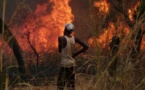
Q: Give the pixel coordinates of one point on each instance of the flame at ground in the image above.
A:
(105, 38)
(44, 27)
(114, 28)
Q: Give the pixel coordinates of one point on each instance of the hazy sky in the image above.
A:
(11, 6)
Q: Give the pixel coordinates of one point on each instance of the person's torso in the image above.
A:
(66, 55)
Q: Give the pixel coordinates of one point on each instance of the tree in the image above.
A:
(28, 34)
(30, 25)
(114, 46)
(12, 42)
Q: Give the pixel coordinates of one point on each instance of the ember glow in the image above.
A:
(132, 10)
(103, 6)
(44, 26)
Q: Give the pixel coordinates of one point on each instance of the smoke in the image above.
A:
(80, 10)
(11, 6)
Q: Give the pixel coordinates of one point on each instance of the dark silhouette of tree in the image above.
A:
(32, 47)
(12, 42)
(114, 47)
(30, 24)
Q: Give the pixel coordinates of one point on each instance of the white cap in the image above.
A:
(69, 26)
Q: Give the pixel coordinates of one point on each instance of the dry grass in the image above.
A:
(83, 82)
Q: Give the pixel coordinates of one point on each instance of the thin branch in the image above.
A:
(35, 51)
(120, 9)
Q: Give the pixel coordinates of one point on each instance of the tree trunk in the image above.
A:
(114, 47)
(12, 42)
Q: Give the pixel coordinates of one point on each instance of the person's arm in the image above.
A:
(61, 43)
(84, 47)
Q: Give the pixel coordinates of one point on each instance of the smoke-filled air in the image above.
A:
(72, 44)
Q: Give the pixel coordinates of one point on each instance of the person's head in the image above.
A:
(69, 28)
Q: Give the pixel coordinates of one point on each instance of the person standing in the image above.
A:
(66, 45)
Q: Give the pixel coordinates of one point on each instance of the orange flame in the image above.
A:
(118, 28)
(132, 10)
(103, 6)
(47, 26)
(105, 38)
